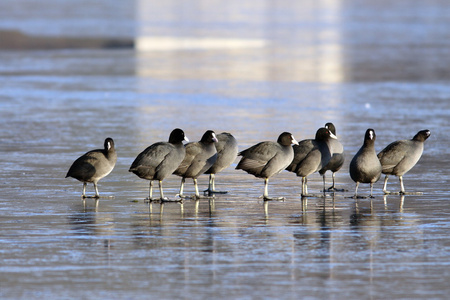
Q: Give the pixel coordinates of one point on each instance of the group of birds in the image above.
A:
(213, 153)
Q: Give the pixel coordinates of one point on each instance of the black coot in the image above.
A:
(400, 156)
(200, 156)
(227, 149)
(94, 165)
(336, 161)
(310, 156)
(160, 160)
(365, 166)
(266, 159)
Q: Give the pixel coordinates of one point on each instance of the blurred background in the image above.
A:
(325, 40)
(259, 61)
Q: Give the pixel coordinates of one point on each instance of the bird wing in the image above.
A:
(86, 166)
(222, 141)
(256, 157)
(192, 150)
(152, 156)
(393, 154)
(300, 153)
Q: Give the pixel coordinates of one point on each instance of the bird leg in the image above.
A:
(161, 192)
(371, 188)
(84, 190)
(403, 192)
(402, 188)
(323, 177)
(266, 188)
(150, 192)
(97, 195)
(305, 189)
(305, 182)
(197, 194)
(356, 191)
(362, 197)
(212, 186)
(265, 196)
(385, 191)
(213, 181)
(333, 187)
(180, 194)
(162, 199)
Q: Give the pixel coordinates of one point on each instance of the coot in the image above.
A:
(400, 156)
(365, 166)
(266, 159)
(336, 161)
(160, 160)
(200, 156)
(227, 149)
(311, 155)
(94, 165)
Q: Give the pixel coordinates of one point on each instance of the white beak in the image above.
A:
(214, 138)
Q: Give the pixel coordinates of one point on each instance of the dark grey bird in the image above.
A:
(200, 156)
(94, 165)
(365, 166)
(310, 156)
(227, 149)
(160, 160)
(336, 161)
(401, 156)
(266, 159)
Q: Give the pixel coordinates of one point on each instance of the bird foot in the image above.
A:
(162, 200)
(333, 189)
(211, 192)
(411, 193)
(267, 198)
(198, 197)
(148, 200)
(97, 197)
(165, 199)
(195, 197)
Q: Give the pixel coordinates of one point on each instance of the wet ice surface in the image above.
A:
(56, 105)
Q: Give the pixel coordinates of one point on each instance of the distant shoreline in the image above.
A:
(17, 40)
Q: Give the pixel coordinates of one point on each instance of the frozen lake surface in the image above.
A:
(291, 67)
